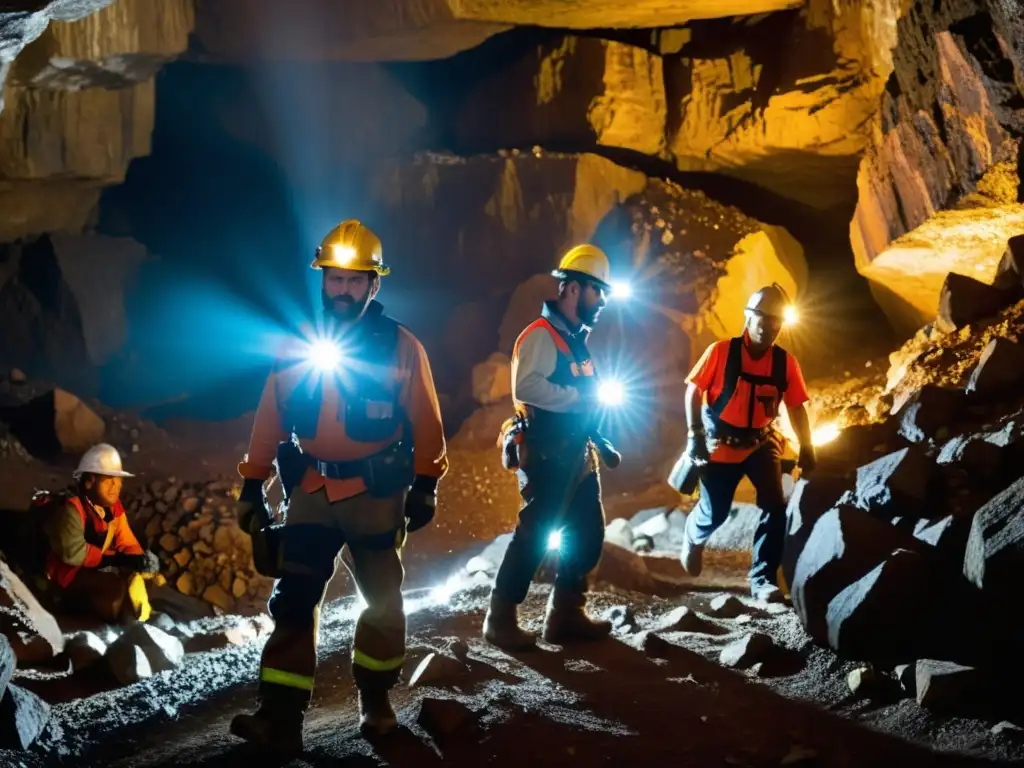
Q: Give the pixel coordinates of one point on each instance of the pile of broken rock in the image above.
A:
(906, 548)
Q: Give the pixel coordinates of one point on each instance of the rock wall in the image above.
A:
(79, 106)
(939, 189)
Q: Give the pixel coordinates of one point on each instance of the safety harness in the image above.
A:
(732, 434)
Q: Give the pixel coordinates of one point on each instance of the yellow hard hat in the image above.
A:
(586, 260)
(351, 245)
(770, 300)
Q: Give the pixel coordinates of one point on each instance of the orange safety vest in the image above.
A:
(97, 539)
(731, 420)
(570, 366)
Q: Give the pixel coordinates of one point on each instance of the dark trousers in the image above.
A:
(718, 488)
(557, 499)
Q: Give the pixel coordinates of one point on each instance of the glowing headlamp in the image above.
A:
(343, 254)
(611, 393)
(790, 315)
(323, 354)
(621, 290)
(555, 540)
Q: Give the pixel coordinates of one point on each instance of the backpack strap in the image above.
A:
(733, 369)
(543, 322)
(780, 369)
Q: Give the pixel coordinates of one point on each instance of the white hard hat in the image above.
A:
(102, 459)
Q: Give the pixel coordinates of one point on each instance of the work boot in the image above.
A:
(376, 716)
(270, 729)
(692, 555)
(766, 592)
(501, 626)
(566, 620)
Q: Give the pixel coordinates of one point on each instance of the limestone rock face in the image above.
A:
(124, 43)
(578, 91)
(939, 186)
(793, 119)
(78, 104)
(424, 29)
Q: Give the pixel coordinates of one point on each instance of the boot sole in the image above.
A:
(522, 646)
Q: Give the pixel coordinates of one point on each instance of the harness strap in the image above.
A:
(734, 373)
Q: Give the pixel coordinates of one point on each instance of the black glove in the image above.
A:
(611, 457)
(697, 449)
(147, 562)
(421, 502)
(251, 508)
(808, 459)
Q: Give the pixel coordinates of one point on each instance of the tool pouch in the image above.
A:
(510, 441)
(389, 472)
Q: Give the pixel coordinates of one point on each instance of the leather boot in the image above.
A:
(271, 728)
(566, 620)
(376, 716)
(501, 626)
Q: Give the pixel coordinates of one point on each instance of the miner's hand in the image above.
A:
(808, 459)
(697, 449)
(251, 507)
(421, 503)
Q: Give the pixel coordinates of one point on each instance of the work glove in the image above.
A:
(808, 459)
(251, 508)
(611, 457)
(146, 562)
(421, 502)
(697, 449)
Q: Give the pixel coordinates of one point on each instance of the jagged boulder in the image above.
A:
(964, 300)
(894, 595)
(1000, 369)
(995, 559)
(31, 629)
(811, 498)
(899, 484)
(928, 412)
(23, 716)
(845, 545)
(492, 379)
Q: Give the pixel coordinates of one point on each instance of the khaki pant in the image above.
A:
(113, 596)
(316, 530)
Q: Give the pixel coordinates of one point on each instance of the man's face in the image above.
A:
(105, 491)
(592, 300)
(763, 329)
(346, 292)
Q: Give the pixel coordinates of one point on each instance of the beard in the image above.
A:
(343, 308)
(588, 314)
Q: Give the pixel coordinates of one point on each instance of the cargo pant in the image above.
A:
(109, 594)
(315, 532)
(718, 485)
(560, 495)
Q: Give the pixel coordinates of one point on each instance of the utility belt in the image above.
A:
(385, 473)
(724, 433)
(521, 435)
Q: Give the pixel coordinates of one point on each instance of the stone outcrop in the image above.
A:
(944, 139)
(792, 118)
(410, 30)
(122, 44)
(79, 106)
(581, 92)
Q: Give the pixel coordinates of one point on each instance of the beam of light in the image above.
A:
(555, 540)
(611, 392)
(825, 434)
(324, 354)
(621, 290)
(790, 316)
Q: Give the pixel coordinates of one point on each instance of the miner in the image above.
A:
(553, 444)
(352, 420)
(95, 561)
(732, 400)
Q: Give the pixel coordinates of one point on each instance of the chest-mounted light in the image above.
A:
(611, 393)
(323, 354)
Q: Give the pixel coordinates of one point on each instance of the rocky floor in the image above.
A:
(659, 692)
